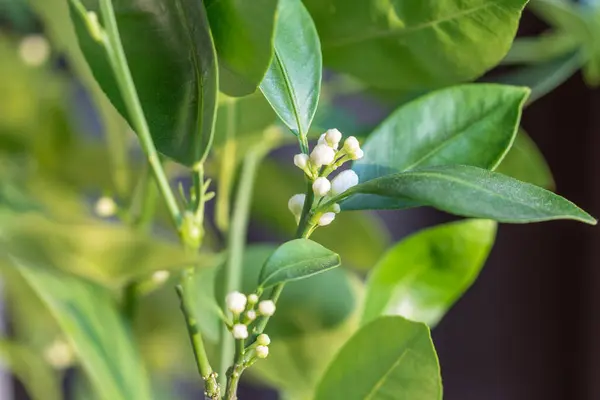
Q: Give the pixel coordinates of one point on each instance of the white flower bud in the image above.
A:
(301, 161)
(34, 50)
(321, 139)
(344, 181)
(322, 155)
(251, 315)
(236, 302)
(296, 204)
(159, 277)
(266, 308)
(357, 155)
(105, 207)
(333, 138)
(321, 186)
(239, 331)
(336, 208)
(351, 145)
(262, 351)
(59, 354)
(263, 340)
(326, 219)
(253, 298)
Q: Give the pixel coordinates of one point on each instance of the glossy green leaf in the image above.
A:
(359, 238)
(36, 375)
(90, 320)
(472, 192)
(423, 275)
(296, 259)
(172, 58)
(544, 77)
(415, 44)
(469, 124)
(526, 163)
(389, 359)
(243, 33)
(293, 81)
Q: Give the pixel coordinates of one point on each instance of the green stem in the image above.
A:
(118, 61)
(227, 170)
(184, 291)
(236, 243)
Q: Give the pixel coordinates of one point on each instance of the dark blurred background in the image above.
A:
(529, 328)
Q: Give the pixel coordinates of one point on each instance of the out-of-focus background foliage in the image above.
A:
(528, 329)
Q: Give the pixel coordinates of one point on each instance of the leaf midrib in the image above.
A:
(291, 91)
(399, 32)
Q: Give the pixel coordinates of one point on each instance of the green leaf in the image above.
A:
(359, 238)
(526, 163)
(472, 192)
(318, 303)
(469, 124)
(390, 358)
(99, 336)
(172, 58)
(40, 381)
(293, 81)
(243, 33)
(539, 49)
(422, 276)
(544, 77)
(414, 45)
(296, 259)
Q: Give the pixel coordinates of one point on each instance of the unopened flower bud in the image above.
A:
(105, 207)
(160, 277)
(236, 302)
(301, 161)
(263, 340)
(253, 298)
(351, 145)
(59, 354)
(321, 186)
(296, 204)
(321, 139)
(262, 351)
(357, 155)
(266, 308)
(251, 315)
(333, 138)
(239, 331)
(336, 208)
(326, 219)
(322, 155)
(344, 181)
(34, 50)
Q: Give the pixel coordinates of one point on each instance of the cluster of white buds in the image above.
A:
(245, 309)
(326, 157)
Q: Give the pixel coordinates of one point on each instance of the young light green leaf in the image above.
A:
(36, 375)
(292, 83)
(471, 192)
(470, 124)
(296, 259)
(90, 320)
(243, 33)
(390, 358)
(526, 163)
(422, 276)
(540, 49)
(172, 58)
(414, 45)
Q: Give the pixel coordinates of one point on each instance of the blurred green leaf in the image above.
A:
(472, 192)
(89, 318)
(243, 33)
(293, 81)
(109, 254)
(543, 48)
(295, 260)
(40, 381)
(359, 238)
(390, 358)
(468, 124)
(174, 69)
(526, 163)
(422, 276)
(415, 44)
